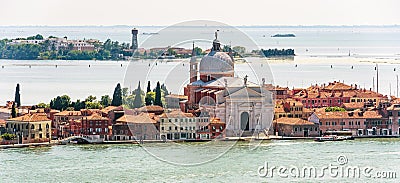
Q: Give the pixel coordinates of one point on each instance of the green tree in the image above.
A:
(90, 98)
(105, 100)
(334, 109)
(117, 96)
(198, 51)
(148, 87)
(149, 99)
(239, 49)
(17, 96)
(138, 102)
(157, 99)
(78, 105)
(60, 102)
(43, 105)
(13, 111)
(8, 136)
(93, 105)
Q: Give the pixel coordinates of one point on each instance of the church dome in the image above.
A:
(216, 62)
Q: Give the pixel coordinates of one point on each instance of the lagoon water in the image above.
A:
(43, 80)
(317, 48)
(132, 163)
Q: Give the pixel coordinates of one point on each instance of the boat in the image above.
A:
(150, 33)
(284, 35)
(335, 136)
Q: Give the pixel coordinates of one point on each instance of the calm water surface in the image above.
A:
(132, 163)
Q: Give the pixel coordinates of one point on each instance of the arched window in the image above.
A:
(32, 127)
(27, 126)
(47, 126)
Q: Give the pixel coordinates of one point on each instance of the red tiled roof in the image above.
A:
(177, 114)
(151, 108)
(95, 116)
(31, 117)
(141, 118)
(345, 114)
(293, 121)
(69, 113)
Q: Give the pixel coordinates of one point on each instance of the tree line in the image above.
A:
(121, 96)
(46, 50)
(276, 52)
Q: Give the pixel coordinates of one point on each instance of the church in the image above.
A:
(215, 91)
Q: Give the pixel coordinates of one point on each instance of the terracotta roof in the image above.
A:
(276, 88)
(177, 114)
(95, 116)
(394, 107)
(141, 118)
(353, 105)
(338, 86)
(151, 108)
(346, 114)
(293, 121)
(109, 108)
(69, 113)
(31, 118)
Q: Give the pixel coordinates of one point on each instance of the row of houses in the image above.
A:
(303, 112)
(113, 123)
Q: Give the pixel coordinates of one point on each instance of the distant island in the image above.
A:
(284, 35)
(276, 53)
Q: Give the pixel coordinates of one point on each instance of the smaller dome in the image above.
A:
(216, 62)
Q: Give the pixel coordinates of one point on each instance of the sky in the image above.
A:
(167, 12)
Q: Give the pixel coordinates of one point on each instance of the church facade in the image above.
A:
(245, 107)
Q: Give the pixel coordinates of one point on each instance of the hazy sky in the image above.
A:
(167, 12)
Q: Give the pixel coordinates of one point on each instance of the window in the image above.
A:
(162, 120)
(176, 128)
(169, 128)
(32, 127)
(162, 128)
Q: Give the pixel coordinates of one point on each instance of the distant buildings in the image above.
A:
(61, 43)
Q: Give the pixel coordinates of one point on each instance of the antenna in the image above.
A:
(377, 79)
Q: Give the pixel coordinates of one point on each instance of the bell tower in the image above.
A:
(193, 66)
(134, 39)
